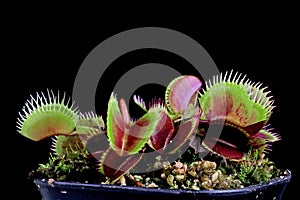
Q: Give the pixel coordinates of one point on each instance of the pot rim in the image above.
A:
(284, 179)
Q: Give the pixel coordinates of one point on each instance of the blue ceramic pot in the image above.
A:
(270, 190)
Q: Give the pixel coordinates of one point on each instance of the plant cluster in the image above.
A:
(109, 151)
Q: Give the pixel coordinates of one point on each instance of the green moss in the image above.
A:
(78, 166)
(255, 169)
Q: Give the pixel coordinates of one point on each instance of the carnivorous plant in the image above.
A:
(169, 126)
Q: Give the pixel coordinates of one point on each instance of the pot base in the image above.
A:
(270, 190)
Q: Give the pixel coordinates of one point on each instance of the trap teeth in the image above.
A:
(239, 102)
(45, 116)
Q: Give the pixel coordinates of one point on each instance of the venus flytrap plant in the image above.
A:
(48, 116)
(115, 146)
(243, 106)
(180, 114)
(156, 127)
(125, 135)
(126, 138)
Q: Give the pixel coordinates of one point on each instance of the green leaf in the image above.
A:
(125, 136)
(89, 123)
(113, 165)
(44, 117)
(62, 145)
(164, 131)
(115, 124)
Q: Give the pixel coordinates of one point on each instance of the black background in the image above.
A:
(46, 50)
